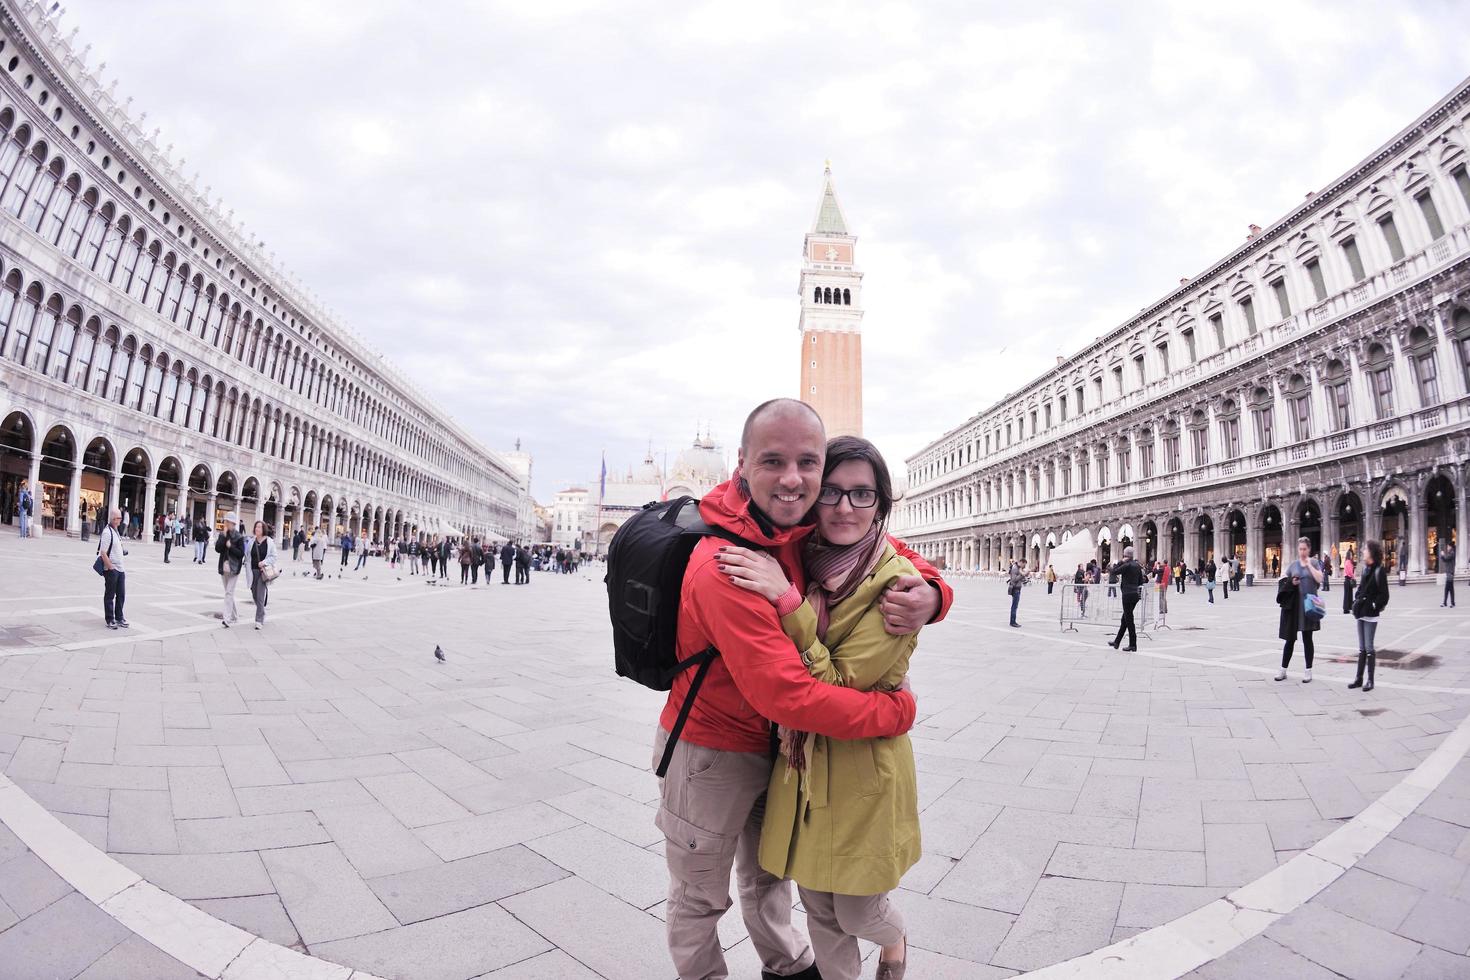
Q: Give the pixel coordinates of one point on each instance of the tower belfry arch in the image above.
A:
(831, 318)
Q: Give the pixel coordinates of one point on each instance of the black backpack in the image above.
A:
(646, 560)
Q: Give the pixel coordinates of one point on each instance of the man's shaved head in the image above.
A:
(777, 407)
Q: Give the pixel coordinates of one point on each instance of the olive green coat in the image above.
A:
(853, 828)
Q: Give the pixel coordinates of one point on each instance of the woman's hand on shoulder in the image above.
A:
(755, 571)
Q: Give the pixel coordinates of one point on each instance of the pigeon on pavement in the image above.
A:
(438, 653)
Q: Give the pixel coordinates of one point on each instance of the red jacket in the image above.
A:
(758, 676)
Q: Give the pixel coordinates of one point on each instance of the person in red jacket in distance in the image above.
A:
(714, 793)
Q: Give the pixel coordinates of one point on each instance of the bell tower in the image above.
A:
(831, 319)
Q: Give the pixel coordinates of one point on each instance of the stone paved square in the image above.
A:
(326, 785)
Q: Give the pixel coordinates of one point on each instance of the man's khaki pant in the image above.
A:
(710, 813)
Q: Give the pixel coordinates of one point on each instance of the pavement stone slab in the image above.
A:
(324, 896)
(453, 886)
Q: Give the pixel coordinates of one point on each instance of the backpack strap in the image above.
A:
(704, 658)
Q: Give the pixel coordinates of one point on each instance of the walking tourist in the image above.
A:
(844, 838)
(25, 504)
(446, 547)
(1080, 580)
(464, 565)
(1130, 575)
(168, 536)
(1326, 571)
(1447, 566)
(1051, 579)
(82, 518)
(1210, 570)
(200, 535)
(297, 540)
(1372, 597)
(230, 546)
(345, 543)
(1349, 581)
(1015, 579)
(362, 552)
(114, 577)
(477, 557)
(1303, 577)
(318, 549)
(523, 565)
(260, 569)
(720, 769)
(507, 558)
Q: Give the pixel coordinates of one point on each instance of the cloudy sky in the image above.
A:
(579, 224)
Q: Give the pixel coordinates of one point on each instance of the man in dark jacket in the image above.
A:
(477, 557)
(507, 556)
(523, 566)
(1128, 574)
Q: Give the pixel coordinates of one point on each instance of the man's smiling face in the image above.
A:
(781, 460)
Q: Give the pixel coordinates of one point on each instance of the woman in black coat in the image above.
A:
(1372, 597)
(1303, 577)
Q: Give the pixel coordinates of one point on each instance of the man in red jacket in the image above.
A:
(713, 796)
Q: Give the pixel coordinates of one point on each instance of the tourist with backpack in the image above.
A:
(1301, 606)
(1371, 599)
(842, 816)
(731, 671)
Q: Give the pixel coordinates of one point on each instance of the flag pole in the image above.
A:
(601, 492)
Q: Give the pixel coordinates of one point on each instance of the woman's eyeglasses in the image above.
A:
(860, 497)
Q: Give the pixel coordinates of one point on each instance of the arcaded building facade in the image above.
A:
(152, 358)
(1314, 382)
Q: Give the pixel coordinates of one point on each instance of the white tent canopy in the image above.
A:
(1079, 549)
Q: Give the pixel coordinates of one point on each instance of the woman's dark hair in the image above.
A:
(1375, 551)
(261, 525)
(844, 449)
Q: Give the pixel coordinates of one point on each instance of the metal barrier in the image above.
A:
(1101, 605)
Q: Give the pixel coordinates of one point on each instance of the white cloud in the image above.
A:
(579, 223)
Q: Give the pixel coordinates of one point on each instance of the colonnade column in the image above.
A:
(74, 502)
(1462, 518)
(1418, 531)
(211, 508)
(114, 492)
(33, 477)
(148, 490)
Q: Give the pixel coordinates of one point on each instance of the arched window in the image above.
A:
(128, 262)
(9, 297)
(102, 362)
(63, 193)
(10, 154)
(123, 365)
(158, 279)
(137, 370)
(847, 297)
(1339, 409)
(169, 402)
(86, 346)
(1299, 400)
(817, 294)
(1462, 343)
(1229, 429)
(25, 323)
(1380, 378)
(827, 294)
(198, 395)
(154, 394)
(79, 209)
(1263, 417)
(66, 335)
(98, 229)
(1199, 437)
(28, 173)
(44, 337)
(1426, 372)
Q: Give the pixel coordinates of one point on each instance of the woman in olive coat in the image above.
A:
(842, 817)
